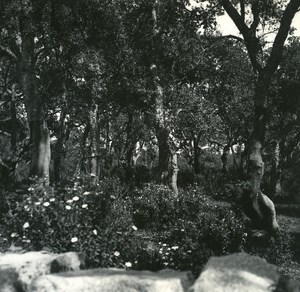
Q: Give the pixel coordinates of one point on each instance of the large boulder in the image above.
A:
(21, 269)
(114, 280)
(235, 273)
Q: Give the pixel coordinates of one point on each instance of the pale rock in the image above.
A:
(23, 268)
(235, 273)
(114, 280)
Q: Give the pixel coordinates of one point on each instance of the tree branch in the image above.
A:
(251, 41)
(7, 52)
(242, 7)
(255, 13)
(285, 24)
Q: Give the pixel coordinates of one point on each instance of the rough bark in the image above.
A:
(264, 209)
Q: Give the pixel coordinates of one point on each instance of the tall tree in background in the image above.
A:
(18, 41)
(262, 13)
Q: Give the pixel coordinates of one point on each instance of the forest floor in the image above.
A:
(289, 220)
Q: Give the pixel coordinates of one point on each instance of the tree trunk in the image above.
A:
(59, 147)
(82, 157)
(39, 133)
(264, 215)
(196, 153)
(40, 160)
(275, 182)
(224, 158)
(95, 144)
(174, 173)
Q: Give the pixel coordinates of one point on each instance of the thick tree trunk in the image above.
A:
(40, 160)
(263, 213)
(39, 133)
(162, 131)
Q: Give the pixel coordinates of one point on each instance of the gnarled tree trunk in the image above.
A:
(263, 207)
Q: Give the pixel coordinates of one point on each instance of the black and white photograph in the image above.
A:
(150, 145)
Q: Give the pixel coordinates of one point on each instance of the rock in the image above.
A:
(9, 281)
(235, 273)
(23, 268)
(114, 280)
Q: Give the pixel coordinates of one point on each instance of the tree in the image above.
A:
(264, 67)
(18, 43)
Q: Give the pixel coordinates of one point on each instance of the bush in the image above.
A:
(154, 206)
(188, 229)
(73, 218)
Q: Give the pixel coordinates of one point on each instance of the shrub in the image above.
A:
(154, 206)
(189, 229)
(74, 218)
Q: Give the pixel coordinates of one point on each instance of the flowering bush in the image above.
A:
(77, 217)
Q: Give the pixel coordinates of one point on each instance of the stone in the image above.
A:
(235, 273)
(114, 280)
(23, 268)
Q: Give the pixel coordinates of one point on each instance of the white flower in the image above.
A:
(75, 198)
(93, 175)
(134, 228)
(74, 239)
(128, 264)
(26, 208)
(175, 247)
(14, 234)
(37, 203)
(68, 207)
(52, 200)
(30, 189)
(46, 204)
(69, 201)
(86, 193)
(116, 254)
(26, 225)
(95, 232)
(84, 206)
